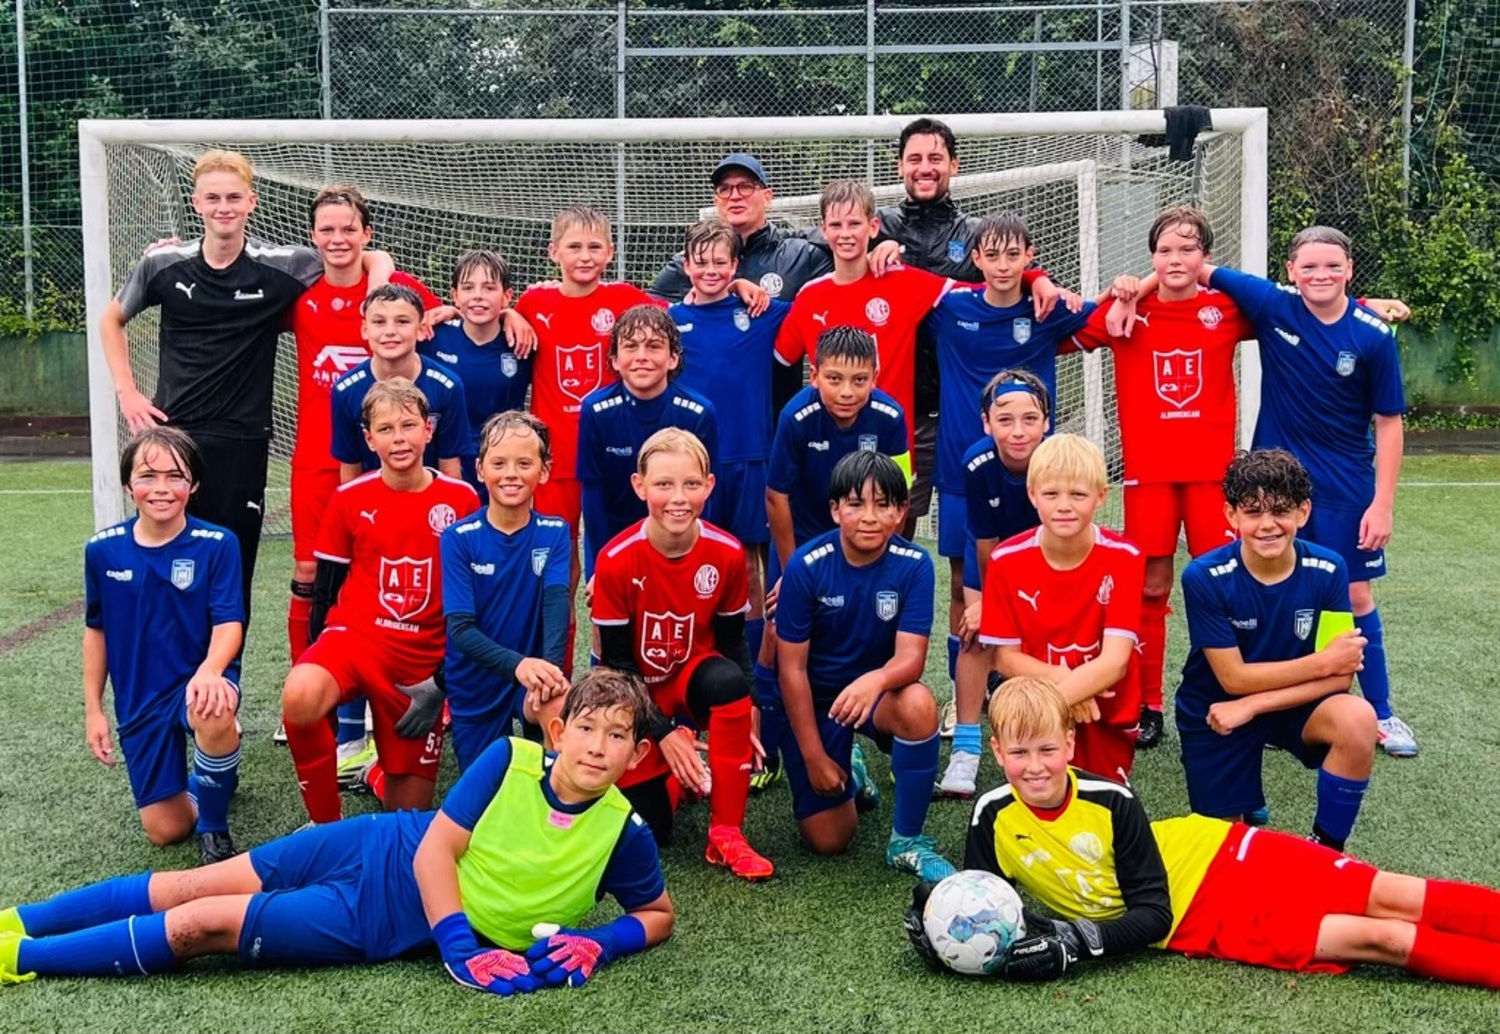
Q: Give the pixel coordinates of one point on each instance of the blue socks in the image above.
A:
(215, 780)
(125, 947)
(1338, 806)
(1375, 679)
(755, 633)
(914, 763)
(966, 738)
(352, 721)
(116, 898)
(955, 646)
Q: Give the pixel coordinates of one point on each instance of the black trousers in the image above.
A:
(233, 493)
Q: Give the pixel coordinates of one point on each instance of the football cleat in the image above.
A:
(728, 847)
(866, 793)
(961, 776)
(10, 954)
(354, 765)
(10, 922)
(215, 847)
(1151, 728)
(1395, 737)
(279, 736)
(918, 855)
(947, 719)
(1259, 817)
(768, 776)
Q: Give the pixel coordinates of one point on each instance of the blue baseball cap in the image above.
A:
(743, 162)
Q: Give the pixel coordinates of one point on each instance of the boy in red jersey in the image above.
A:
(889, 308)
(670, 600)
(378, 606)
(1063, 602)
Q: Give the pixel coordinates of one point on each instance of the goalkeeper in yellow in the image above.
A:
(524, 838)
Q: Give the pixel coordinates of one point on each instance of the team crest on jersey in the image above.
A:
(1345, 365)
(182, 573)
(1210, 316)
(741, 319)
(666, 639)
(1073, 655)
(706, 580)
(1179, 375)
(956, 251)
(869, 443)
(887, 603)
(508, 365)
(405, 586)
(1106, 590)
(539, 560)
(772, 284)
(439, 517)
(1021, 331)
(878, 311)
(1302, 623)
(578, 368)
(603, 321)
(334, 361)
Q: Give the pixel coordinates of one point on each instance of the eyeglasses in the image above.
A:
(172, 481)
(737, 188)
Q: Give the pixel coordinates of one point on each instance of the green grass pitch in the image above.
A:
(818, 948)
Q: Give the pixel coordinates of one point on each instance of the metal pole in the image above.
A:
(870, 16)
(1124, 55)
(25, 160)
(325, 64)
(1036, 66)
(1408, 61)
(622, 12)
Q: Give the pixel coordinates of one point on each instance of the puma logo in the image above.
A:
(369, 515)
(545, 319)
(1029, 599)
(821, 317)
(1142, 319)
(251, 504)
(186, 289)
(639, 583)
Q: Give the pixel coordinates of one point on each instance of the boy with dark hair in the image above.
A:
(164, 621)
(1199, 886)
(505, 595)
(524, 838)
(853, 619)
(645, 350)
(1272, 654)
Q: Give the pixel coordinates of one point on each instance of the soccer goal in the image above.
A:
(1086, 183)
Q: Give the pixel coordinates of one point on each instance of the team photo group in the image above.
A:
(720, 474)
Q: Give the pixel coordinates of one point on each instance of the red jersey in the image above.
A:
(389, 539)
(1174, 386)
(889, 309)
(671, 601)
(330, 342)
(1062, 617)
(572, 357)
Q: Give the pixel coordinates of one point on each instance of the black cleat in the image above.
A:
(215, 847)
(1151, 726)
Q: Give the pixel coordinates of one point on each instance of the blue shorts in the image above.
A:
(838, 741)
(1336, 528)
(156, 753)
(1223, 772)
(952, 522)
(472, 734)
(971, 563)
(738, 504)
(317, 906)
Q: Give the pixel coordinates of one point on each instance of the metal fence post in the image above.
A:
(870, 71)
(622, 17)
(25, 160)
(325, 63)
(1408, 61)
(1124, 55)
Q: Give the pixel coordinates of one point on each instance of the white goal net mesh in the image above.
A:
(1088, 199)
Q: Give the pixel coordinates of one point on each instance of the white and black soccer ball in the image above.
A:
(971, 918)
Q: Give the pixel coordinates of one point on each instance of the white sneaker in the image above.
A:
(279, 736)
(1395, 738)
(947, 719)
(352, 749)
(960, 778)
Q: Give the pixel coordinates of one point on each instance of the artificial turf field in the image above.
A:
(821, 946)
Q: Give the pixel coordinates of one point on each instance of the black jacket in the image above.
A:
(780, 263)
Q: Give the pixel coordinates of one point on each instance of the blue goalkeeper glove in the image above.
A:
(494, 970)
(572, 956)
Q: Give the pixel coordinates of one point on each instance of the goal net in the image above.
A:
(1085, 182)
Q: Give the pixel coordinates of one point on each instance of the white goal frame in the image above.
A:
(95, 135)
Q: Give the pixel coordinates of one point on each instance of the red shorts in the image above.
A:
(1155, 512)
(1106, 750)
(561, 497)
(670, 698)
(361, 664)
(312, 489)
(1264, 898)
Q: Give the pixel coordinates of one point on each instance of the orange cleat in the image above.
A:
(728, 847)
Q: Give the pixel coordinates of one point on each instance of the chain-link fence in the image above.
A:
(1332, 73)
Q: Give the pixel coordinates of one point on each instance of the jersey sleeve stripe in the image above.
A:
(731, 613)
(1123, 633)
(334, 559)
(619, 547)
(1029, 542)
(611, 621)
(715, 535)
(1102, 786)
(993, 641)
(1000, 793)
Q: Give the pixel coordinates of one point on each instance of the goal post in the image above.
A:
(1086, 184)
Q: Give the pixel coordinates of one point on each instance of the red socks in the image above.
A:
(298, 621)
(729, 762)
(314, 751)
(1454, 958)
(1154, 613)
(1462, 908)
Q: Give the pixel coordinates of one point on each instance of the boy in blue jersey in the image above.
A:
(1016, 411)
(164, 620)
(645, 350)
(1266, 666)
(729, 358)
(525, 839)
(506, 597)
(853, 619)
(1331, 368)
(393, 319)
(494, 373)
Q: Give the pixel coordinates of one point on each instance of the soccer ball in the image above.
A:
(971, 918)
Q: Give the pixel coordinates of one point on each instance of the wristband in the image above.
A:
(455, 938)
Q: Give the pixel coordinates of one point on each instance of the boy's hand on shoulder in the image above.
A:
(519, 333)
(1228, 715)
(883, 256)
(541, 677)
(432, 318)
(857, 702)
(1045, 295)
(96, 735)
(1344, 654)
(757, 300)
(138, 411)
(210, 694)
(1119, 321)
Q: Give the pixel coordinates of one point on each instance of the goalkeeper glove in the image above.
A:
(496, 970)
(916, 930)
(572, 956)
(426, 703)
(1052, 947)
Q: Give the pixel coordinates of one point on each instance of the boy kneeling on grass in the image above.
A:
(1083, 846)
(471, 880)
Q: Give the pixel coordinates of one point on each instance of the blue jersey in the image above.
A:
(996, 500)
(975, 341)
(612, 426)
(493, 379)
(445, 400)
(1228, 607)
(848, 615)
(157, 607)
(809, 444)
(1323, 384)
(499, 578)
(727, 357)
